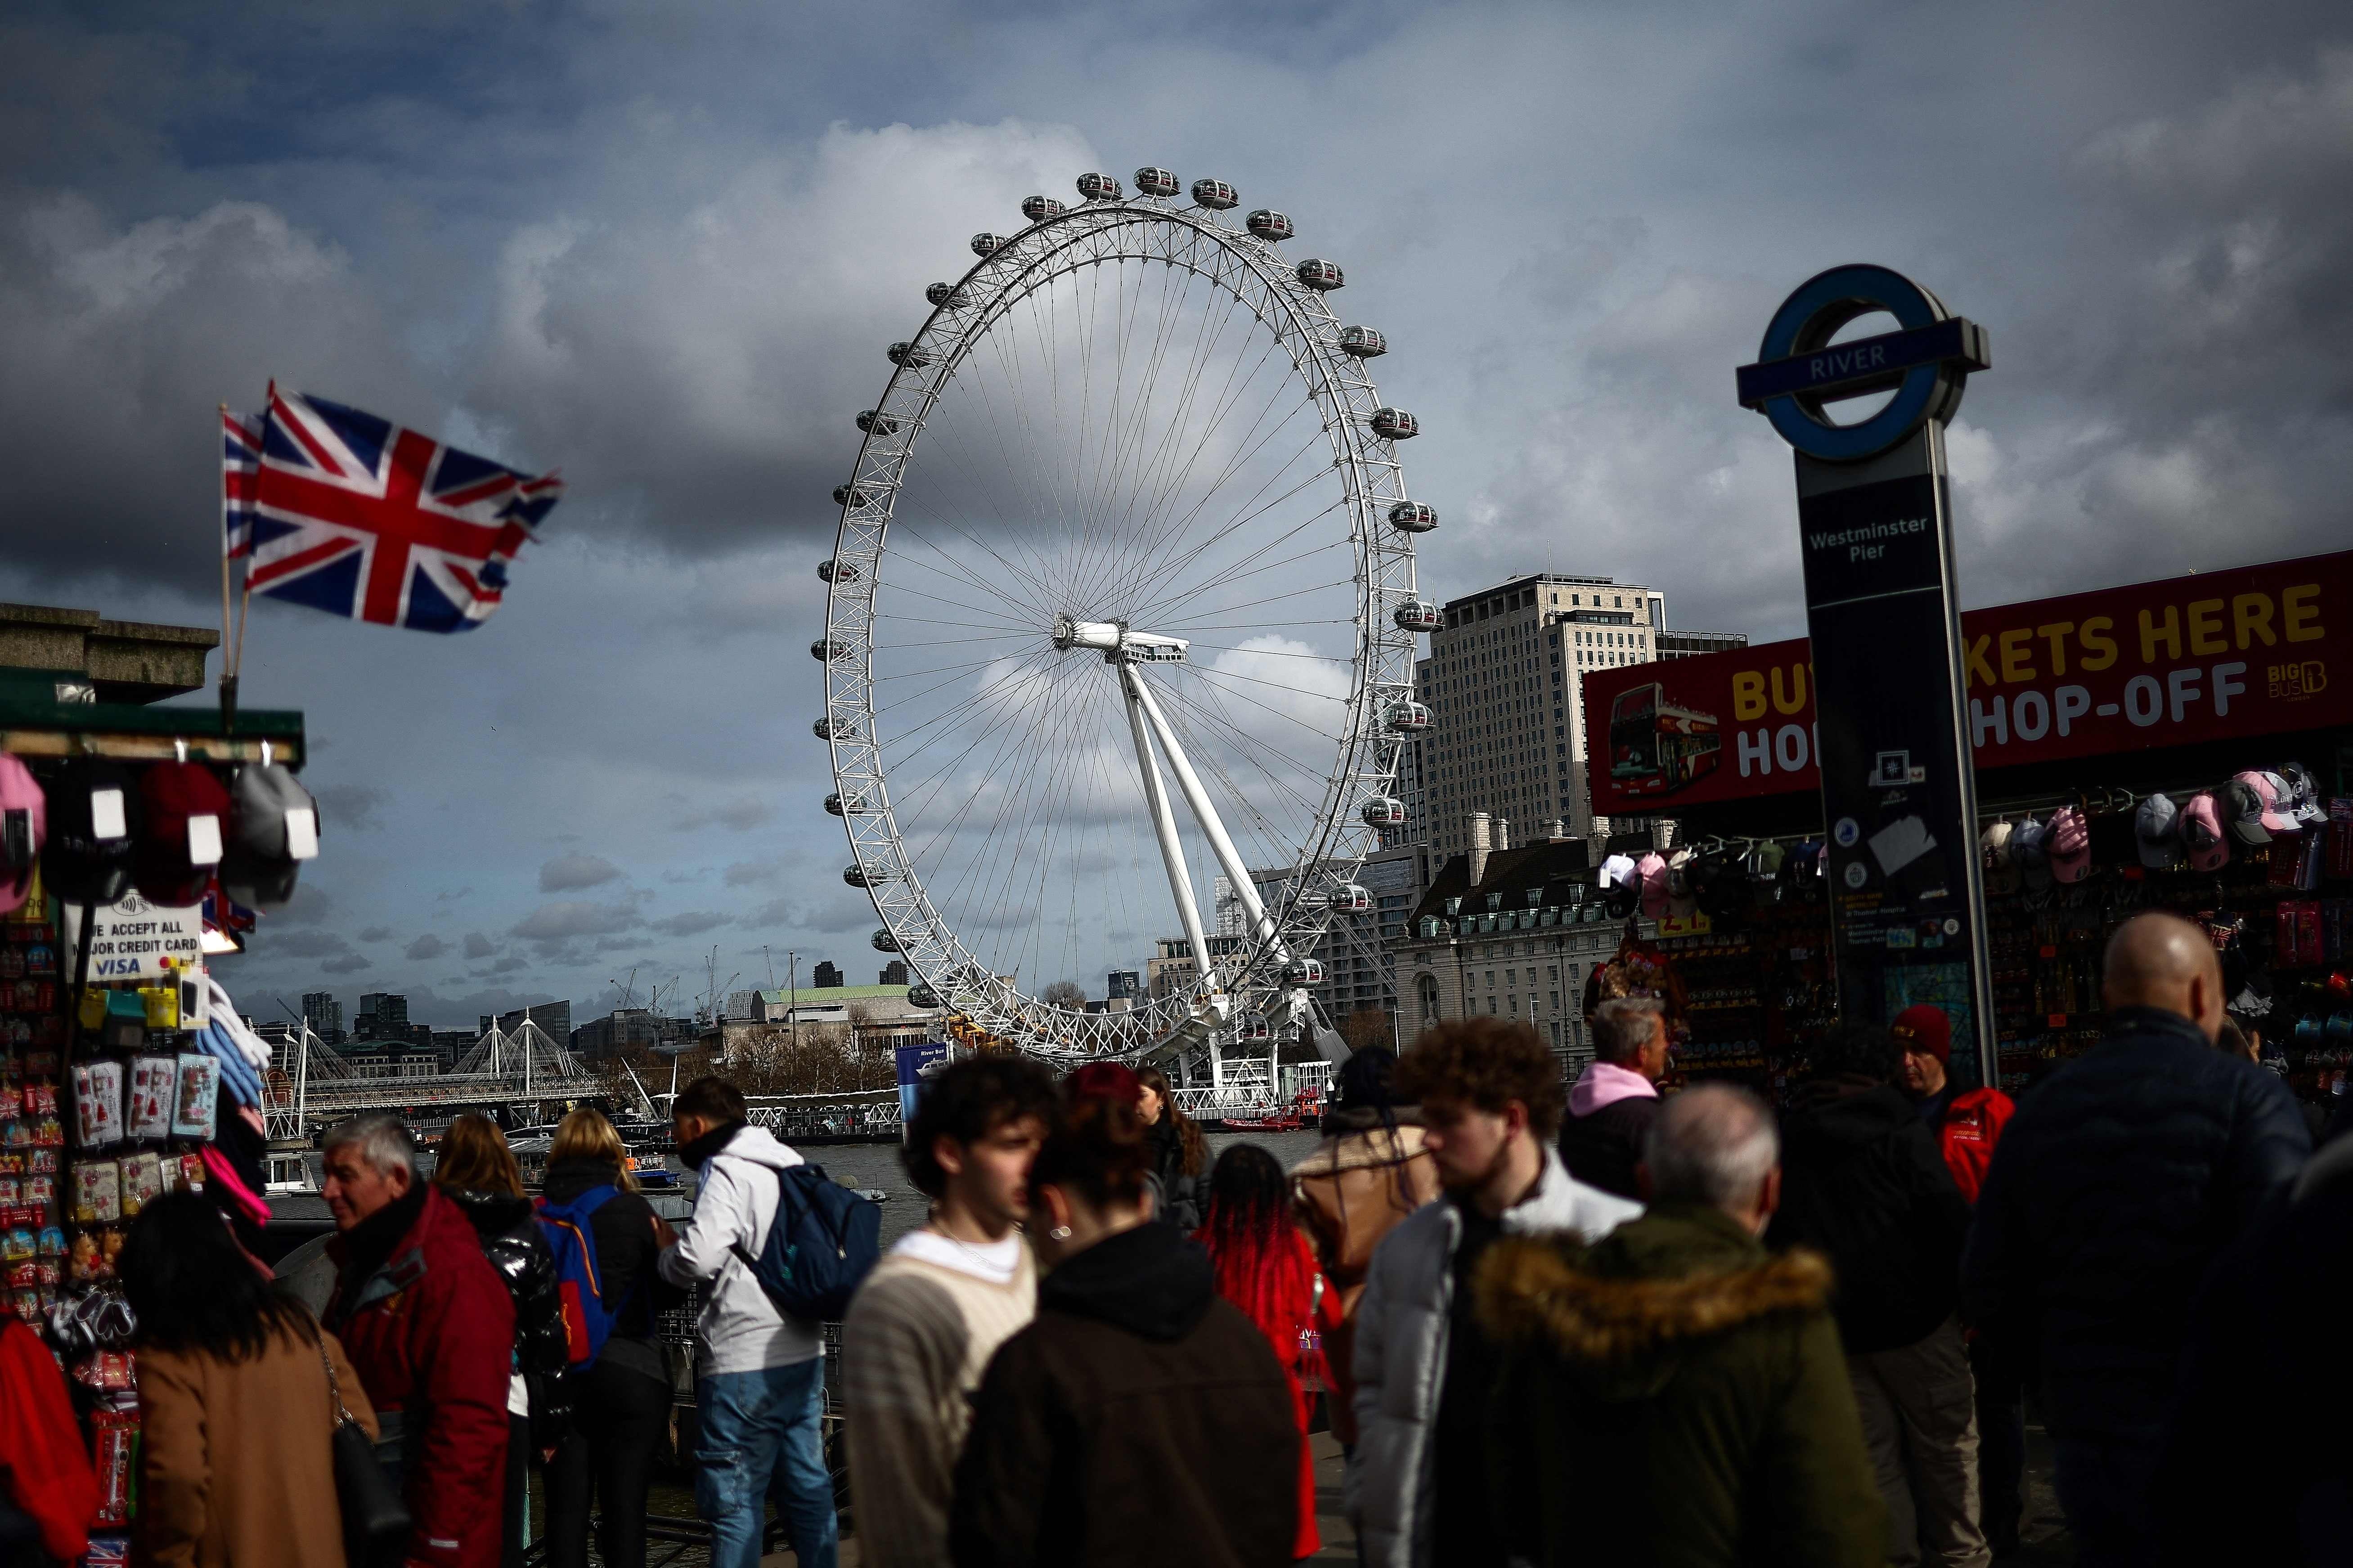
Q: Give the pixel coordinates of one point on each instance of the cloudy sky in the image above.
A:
(662, 244)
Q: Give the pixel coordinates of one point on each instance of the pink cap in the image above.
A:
(2201, 833)
(2067, 841)
(1652, 871)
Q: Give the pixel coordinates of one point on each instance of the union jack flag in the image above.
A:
(240, 467)
(356, 515)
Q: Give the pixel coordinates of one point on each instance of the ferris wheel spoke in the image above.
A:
(1252, 514)
(1228, 575)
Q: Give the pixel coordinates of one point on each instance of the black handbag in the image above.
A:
(376, 1518)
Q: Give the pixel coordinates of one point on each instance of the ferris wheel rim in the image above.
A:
(1381, 653)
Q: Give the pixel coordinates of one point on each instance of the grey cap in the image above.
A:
(2155, 828)
(2028, 853)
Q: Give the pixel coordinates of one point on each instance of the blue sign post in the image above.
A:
(917, 1064)
(1899, 796)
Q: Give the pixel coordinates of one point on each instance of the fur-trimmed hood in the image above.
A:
(1623, 1310)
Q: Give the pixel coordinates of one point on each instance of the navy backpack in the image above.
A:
(820, 1245)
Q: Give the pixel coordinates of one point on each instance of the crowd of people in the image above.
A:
(1593, 1325)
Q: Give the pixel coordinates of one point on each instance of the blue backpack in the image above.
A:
(589, 1317)
(820, 1245)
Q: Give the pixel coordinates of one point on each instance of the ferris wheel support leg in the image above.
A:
(1229, 858)
(1163, 827)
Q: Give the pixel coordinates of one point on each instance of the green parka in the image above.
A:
(1673, 1395)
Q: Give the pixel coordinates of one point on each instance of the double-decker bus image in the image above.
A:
(1656, 747)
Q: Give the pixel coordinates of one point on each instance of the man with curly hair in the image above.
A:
(1491, 1102)
(922, 1326)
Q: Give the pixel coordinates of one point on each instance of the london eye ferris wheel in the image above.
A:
(1122, 600)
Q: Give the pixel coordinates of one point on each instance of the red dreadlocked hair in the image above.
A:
(1261, 1262)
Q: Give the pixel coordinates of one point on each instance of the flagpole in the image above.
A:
(228, 672)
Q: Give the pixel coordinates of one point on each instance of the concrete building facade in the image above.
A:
(1509, 735)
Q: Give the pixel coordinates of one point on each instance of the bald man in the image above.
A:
(2116, 1184)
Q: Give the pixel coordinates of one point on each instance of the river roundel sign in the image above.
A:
(1926, 361)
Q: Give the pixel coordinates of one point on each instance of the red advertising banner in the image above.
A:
(2244, 652)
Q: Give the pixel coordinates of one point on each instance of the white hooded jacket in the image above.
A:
(739, 1329)
(1403, 1323)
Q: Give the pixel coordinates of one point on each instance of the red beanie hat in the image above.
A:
(1924, 1027)
(1104, 1081)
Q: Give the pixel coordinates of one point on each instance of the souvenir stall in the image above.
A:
(132, 853)
(2177, 745)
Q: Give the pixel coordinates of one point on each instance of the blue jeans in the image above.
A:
(762, 1432)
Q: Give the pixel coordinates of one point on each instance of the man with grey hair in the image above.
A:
(1613, 1102)
(1673, 1392)
(429, 1328)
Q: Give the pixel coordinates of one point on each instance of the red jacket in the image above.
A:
(1972, 1125)
(44, 1467)
(431, 1333)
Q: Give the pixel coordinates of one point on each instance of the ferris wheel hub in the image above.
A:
(1116, 643)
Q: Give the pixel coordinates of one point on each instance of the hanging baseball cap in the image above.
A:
(1804, 871)
(24, 825)
(2029, 849)
(2001, 864)
(2157, 831)
(1924, 1027)
(2067, 844)
(2250, 805)
(183, 817)
(1653, 871)
(273, 827)
(2303, 796)
(1618, 870)
(1682, 900)
(87, 859)
(1722, 883)
(2201, 833)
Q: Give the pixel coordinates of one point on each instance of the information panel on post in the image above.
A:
(1907, 895)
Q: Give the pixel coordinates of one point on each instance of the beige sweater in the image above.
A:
(913, 1346)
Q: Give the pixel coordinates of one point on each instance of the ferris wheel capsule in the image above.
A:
(1407, 516)
(987, 244)
(1270, 226)
(825, 650)
(908, 354)
(884, 941)
(1151, 181)
(1215, 194)
(945, 294)
(849, 495)
(860, 877)
(1363, 342)
(833, 804)
(875, 424)
(1320, 276)
(823, 730)
(1407, 717)
(832, 570)
(922, 995)
(1037, 209)
(1395, 424)
(1254, 1027)
(1351, 897)
(1385, 811)
(1417, 615)
(1303, 972)
(1099, 187)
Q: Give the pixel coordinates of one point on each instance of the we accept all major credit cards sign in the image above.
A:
(2251, 651)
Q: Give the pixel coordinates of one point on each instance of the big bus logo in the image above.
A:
(1656, 747)
(2294, 682)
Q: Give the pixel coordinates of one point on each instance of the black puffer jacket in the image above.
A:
(1177, 1196)
(511, 1241)
(2115, 1186)
(1862, 1180)
(2259, 1463)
